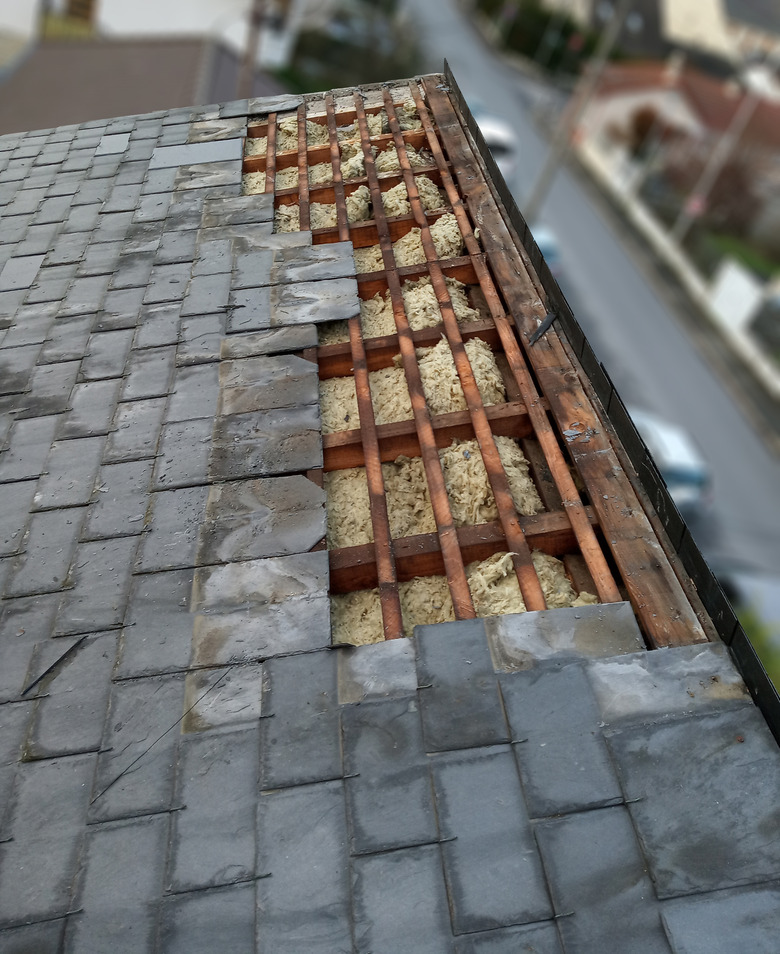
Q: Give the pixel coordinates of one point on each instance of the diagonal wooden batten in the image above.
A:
(463, 605)
(270, 154)
(656, 594)
(383, 545)
(303, 172)
(530, 587)
(606, 586)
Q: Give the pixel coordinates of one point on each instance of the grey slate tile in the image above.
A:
(112, 144)
(377, 672)
(211, 175)
(157, 636)
(408, 881)
(224, 697)
(167, 283)
(528, 939)
(142, 712)
(38, 866)
(53, 209)
(136, 433)
(275, 580)
(263, 383)
(15, 502)
(266, 443)
(19, 272)
(153, 207)
(67, 249)
(201, 339)
(112, 226)
(49, 547)
(249, 519)
(107, 354)
(727, 762)
(303, 302)
(176, 247)
(44, 937)
(92, 407)
(184, 454)
(23, 623)
(148, 373)
(50, 388)
(119, 501)
(304, 905)
(666, 683)
(158, 325)
(38, 239)
(100, 258)
(123, 198)
(206, 152)
(120, 888)
(313, 263)
(122, 308)
(71, 468)
(300, 739)
(250, 310)
(251, 632)
(66, 340)
(389, 796)
(28, 446)
(275, 341)
(214, 129)
(84, 214)
(99, 579)
(598, 880)
(85, 296)
(564, 762)
(213, 838)
(213, 257)
(31, 326)
(172, 523)
(208, 921)
(740, 920)
(16, 368)
(194, 393)
(241, 210)
(13, 730)
(159, 181)
(69, 718)
(462, 707)
(493, 870)
(207, 294)
(133, 269)
(519, 640)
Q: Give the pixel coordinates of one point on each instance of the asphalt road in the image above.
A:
(637, 326)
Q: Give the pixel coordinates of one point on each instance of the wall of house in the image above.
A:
(617, 110)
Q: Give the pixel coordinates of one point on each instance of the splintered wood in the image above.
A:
(466, 472)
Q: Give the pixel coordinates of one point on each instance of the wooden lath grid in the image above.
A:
(603, 537)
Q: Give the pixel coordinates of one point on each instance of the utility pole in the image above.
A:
(718, 158)
(249, 62)
(561, 143)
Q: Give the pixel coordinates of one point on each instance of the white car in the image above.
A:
(682, 467)
(502, 142)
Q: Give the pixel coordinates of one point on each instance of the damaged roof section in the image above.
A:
(223, 776)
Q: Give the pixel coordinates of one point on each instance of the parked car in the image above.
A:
(501, 140)
(679, 461)
(548, 246)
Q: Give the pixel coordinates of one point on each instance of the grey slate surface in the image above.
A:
(185, 762)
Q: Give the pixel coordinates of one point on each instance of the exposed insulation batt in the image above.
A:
(368, 259)
(353, 164)
(376, 122)
(422, 307)
(430, 194)
(348, 508)
(376, 316)
(322, 215)
(396, 201)
(441, 384)
(253, 183)
(256, 147)
(446, 236)
(356, 618)
(387, 160)
(320, 173)
(468, 488)
(287, 134)
(338, 405)
(287, 218)
(390, 395)
(408, 501)
(407, 116)
(286, 178)
(495, 590)
(332, 332)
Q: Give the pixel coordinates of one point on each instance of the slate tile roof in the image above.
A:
(186, 764)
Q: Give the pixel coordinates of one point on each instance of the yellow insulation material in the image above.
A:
(408, 501)
(495, 590)
(376, 122)
(407, 116)
(332, 332)
(387, 160)
(422, 306)
(430, 195)
(287, 134)
(389, 398)
(287, 218)
(396, 201)
(320, 173)
(348, 508)
(468, 488)
(322, 215)
(338, 405)
(253, 183)
(356, 618)
(256, 147)
(390, 395)
(441, 384)
(376, 316)
(368, 259)
(286, 178)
